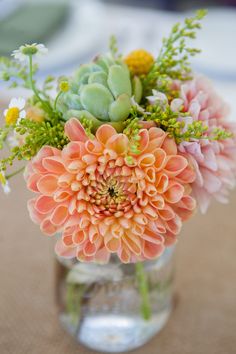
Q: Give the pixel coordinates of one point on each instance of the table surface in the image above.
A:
(204, 320)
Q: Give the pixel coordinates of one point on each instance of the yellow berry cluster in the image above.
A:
(139, 62)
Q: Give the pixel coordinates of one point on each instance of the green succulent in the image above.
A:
(101, 92)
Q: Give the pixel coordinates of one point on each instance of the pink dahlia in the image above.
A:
(214, 161)
(105, 203)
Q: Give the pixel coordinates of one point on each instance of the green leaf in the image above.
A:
(96, 99)
(120, 109)
(119, 81)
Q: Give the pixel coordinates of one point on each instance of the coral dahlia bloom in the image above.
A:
(104, 203)
(214, 161)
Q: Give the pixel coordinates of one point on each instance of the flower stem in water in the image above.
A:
(143, 290)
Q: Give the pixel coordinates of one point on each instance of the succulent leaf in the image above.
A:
(119, 81)
(72, 101)
(104, 62)
(137, 88)
(82, 74)
(96, 99)
(98, 77)
(120, 109)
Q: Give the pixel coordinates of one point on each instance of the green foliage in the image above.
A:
(173, 59)
(35, 136)
(16, 73)
(173, 123)
(132, 132)
(113, 46)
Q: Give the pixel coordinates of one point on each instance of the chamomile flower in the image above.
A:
(15, 111)
(27, 50)
(4, 182)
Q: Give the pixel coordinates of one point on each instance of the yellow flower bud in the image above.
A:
(139, 62)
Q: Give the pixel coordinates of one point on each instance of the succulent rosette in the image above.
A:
(104, 203)
(101, 91)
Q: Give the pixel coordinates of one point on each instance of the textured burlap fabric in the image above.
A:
(203, 322)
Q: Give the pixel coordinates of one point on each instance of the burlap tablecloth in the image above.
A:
(203, 322)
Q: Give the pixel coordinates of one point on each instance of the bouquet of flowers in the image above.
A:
(125, 151)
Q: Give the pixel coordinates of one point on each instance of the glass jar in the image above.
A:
(102, 305)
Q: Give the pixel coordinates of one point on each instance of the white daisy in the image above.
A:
(4, 182)
(26, 50)
(15, 111)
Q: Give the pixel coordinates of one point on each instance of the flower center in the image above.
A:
(12, 115)
(29, 50)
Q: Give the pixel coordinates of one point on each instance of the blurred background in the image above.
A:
(75, 31)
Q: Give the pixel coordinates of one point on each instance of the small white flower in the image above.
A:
(4, 182)
(26, 50)
(15, 111)
(157, 98)
(136, 105)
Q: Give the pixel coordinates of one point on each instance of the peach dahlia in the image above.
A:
(102, 201)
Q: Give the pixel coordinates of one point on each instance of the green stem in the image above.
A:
(34, 89)
(144, 291)
(15, 172)
(56, 99)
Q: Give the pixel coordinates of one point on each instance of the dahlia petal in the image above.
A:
(75, 131)
(47, 185)
(174, 225)
(150, 174)
(170, 239)
(175, 165)
(94, 147)
(211, 183)
(170, 147)
(118, 143)
(152, 237)
(156, 138)
(59, 215)
(166, 213)
(133, 243)
(64, 180)
(67, 239)
(104, 133)
(93, 233)
(140, 219)
(32, 181)
(45, 204)
(144, 140)
(112, 243)
(146, 160)
(74, 150)
(152, 250)
(160, 159)
(157, 202)
(124, 254)
(79, 237)
(48, 228)
(53, 164)
(188, 175)
(61, 196)
(102, 256)
(89, 249)
(162, 183)
(174, 193)
(64, 251)
(35, 215)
